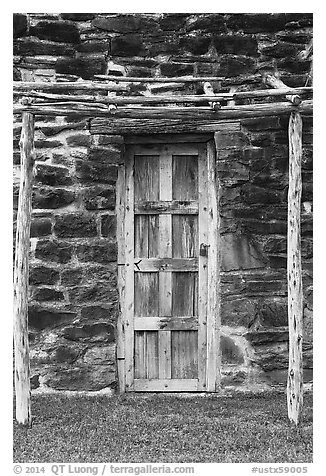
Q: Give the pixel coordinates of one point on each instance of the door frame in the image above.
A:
(124, 192)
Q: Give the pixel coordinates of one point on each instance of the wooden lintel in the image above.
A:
(178, 79)
(294, 268)
(21, 274)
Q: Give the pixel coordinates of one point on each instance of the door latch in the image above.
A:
(203, 250)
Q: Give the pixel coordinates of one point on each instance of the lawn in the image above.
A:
(164, 428)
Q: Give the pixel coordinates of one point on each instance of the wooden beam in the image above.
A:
(295, 294)
(209, 96)
(21, 274)
(68, 86)
(186, 122)
(271, 80)
(193, 118)
(175, 79)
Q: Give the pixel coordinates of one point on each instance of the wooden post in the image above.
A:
(22, 370)
(295, 296)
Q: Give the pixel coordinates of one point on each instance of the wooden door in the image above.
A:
(166, 268)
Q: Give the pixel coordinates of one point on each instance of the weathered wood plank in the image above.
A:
(152, 265)
(184, 345)
(166, 323)
(152, 356)
(185, 177)
(213, 276)
(129, 268)
(184, 293)
(153, 236)
(68, 86)
(141, 236)
(202, 267)
(165, 251)
(185, 236)
(295, 293)
(140, 356)
(182, 207)
(147, 178)
(164, 352)
(165, 385)
(146, 294)
(120, 208)
(21, 274)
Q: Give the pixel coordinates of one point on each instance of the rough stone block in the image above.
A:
(231, 353)
(47, 294)
(52, 198)
(52, 175)
(94, 293)
(253, 195)
(240, 253)
(100, 252)
(272, 313)
(97, 332)
(118, 23)
(110, 154)
(237, 311)
(90, 172)
(236, 45)
(77, 16)
(19, 24)
(103, 355)
(55, 251)
(64, 32)
(86, 379)
(43, 275)
(108, 226)
(176, 69)
(92, 46)
(79, 140)
(212, 23)
(72, 276)
(265, 228)
(127, 45)
(256, 22)
(84, 67)
(98, 313)
(236, 65)
(75, 225)
(195, 45)
(34, 47)
(173, 21)
(40, 227)
(97, 198)
(65, 354)
(40, 318)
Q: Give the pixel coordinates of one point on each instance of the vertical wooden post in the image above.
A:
(120, 210)
(295, 296)
(21, 273)
(213, 281)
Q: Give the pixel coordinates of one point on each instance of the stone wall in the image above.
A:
(73, 290)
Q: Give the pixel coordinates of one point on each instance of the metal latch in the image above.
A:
(203, 250)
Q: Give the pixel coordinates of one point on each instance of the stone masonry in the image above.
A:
(73, 255)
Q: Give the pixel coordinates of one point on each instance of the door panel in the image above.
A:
(166, 211)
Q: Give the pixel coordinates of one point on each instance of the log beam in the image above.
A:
(295, 294)
(21, 274)
(171, 113)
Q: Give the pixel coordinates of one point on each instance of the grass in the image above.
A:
(164, 428)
